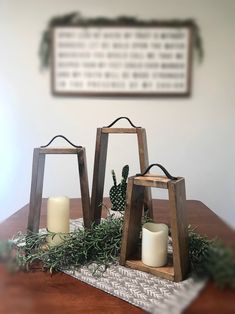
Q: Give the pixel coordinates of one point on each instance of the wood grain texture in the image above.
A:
(119, 130)
(36, 190)
(179, 228)
(84, 185)
(144, 163)
(59, 150)
(132, 220)
(39, 292)
(152, 181)
(98, 175)
(166, 272)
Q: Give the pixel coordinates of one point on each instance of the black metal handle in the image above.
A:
(110, 125)
(62, 136)
(169, 176)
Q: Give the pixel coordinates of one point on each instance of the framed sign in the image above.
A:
(122, 60)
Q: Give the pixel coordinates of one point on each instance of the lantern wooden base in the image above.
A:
(178, 263)
(166, 272)
(39, 155)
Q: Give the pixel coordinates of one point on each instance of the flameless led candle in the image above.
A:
(154, 244)
(57, 217)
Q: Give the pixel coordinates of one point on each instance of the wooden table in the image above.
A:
(38, 292)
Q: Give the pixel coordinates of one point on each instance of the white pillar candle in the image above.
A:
(154, 244)
(57, 217)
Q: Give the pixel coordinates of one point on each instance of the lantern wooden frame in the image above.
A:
(102, 137)
(39, 156)
(178, 263)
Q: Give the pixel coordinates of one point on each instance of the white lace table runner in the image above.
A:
(146, 291)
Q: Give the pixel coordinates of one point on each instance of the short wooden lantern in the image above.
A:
(177, 262)
(39, 155)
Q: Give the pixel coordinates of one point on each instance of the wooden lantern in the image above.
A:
(178, 262)
(100, 164)
(39, 155)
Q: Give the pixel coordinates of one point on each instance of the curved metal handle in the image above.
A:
(62, 136)
(110, 125)
(169, 176)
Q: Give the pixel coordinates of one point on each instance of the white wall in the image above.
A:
(192, 137)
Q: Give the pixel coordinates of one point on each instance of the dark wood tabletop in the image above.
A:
(39, 292)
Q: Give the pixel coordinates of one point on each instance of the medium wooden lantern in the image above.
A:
(39, 155)
(177, 262)
(100, 164)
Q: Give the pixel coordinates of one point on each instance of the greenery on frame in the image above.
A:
(76, 18)
(101, 245)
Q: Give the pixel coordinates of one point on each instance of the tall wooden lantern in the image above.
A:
(177, 265)
(39, 155)
(100, 164)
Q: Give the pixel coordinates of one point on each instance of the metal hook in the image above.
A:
(110, 125)
(62, 136)
(169, 176)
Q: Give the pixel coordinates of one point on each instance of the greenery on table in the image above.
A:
(211, 258)
(101, 244)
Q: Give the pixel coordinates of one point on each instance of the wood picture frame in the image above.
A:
(112, 60)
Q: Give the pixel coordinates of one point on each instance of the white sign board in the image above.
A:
(121, 60)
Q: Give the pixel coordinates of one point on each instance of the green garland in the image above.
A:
(211, 258)
(75, 18)
(101, 245)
